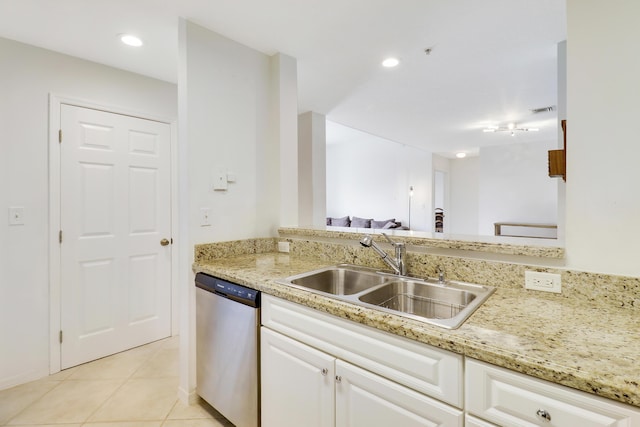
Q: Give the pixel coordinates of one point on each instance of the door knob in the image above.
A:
(164, 242)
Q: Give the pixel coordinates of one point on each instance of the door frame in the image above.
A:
(55, 293)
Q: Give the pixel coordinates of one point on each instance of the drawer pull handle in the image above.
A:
(544, 415)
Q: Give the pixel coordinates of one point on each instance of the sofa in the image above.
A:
(357, 222)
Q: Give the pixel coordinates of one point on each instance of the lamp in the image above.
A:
(410, 197)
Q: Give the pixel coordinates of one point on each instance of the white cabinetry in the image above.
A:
(319, 370)
(364, 399)
(302, 386)
(471, 421)
(297, 383)
(508, 398)
(312, 374)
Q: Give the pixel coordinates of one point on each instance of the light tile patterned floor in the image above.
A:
(136, 388)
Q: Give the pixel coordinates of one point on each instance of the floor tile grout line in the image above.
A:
(33, 402)
(121, 385)
(69, 379)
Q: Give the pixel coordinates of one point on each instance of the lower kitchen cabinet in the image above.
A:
(302, 386)
(319, 370)
(296, 383)
(508, 398)
(364, 399)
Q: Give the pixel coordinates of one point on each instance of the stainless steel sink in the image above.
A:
(447, 305)
(338, 280)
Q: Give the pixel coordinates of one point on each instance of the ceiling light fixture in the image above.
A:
(512, 128)
(461, 155)
(390, 62)
(130, 40)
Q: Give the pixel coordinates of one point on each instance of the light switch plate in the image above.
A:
(220, 180)
(16, 215)
(205, 217)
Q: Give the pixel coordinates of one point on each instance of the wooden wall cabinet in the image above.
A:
(558, 158)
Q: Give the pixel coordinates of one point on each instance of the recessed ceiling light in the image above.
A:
(390, 62)
(130, 40)
(461, 155)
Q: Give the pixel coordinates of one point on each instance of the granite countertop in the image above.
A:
(583, 345)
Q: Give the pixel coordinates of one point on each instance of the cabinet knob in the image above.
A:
(543, 415)
(164, 242)
(338, 378)
(325, 371)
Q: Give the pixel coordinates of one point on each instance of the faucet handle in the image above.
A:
(396, 244)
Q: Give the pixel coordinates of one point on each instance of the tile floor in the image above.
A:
(136, 388)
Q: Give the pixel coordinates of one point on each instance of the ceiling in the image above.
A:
(491, 62)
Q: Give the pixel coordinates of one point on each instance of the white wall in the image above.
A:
(369, 177)
(602, 203)
(284, 113)
(312, 168)
(514, 185)
(27, 76)
(464, 178)
(228, 85)
(236, 115)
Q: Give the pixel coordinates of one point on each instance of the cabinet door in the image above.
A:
(364, 399)
(297, 383)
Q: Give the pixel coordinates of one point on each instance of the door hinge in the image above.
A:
(60, 236)
(60, 136)
(60, 336)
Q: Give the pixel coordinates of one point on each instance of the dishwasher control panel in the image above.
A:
(227, 289)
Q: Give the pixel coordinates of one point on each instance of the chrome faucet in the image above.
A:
(397, 265)
(440, 272)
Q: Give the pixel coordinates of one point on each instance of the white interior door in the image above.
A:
(115, 210)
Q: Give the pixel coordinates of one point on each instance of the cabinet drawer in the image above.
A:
(508, 398)
(434, 372)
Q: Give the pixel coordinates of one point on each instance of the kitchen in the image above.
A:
(598, 180)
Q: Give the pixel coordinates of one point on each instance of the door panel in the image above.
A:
(96, 292)
(115, 210)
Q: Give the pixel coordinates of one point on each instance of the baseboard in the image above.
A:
(25, 377)
(187, 397)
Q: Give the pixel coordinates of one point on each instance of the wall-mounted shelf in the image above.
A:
(558, 158)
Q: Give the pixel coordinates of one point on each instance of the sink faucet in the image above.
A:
(397, 265)
(440, 271)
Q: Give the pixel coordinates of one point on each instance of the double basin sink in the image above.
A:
(447, 304)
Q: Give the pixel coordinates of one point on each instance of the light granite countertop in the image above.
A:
(584, 345)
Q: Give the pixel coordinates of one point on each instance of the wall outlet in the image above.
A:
(538, 281)
(283, 246)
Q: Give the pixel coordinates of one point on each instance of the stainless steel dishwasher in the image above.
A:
(227, 331)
